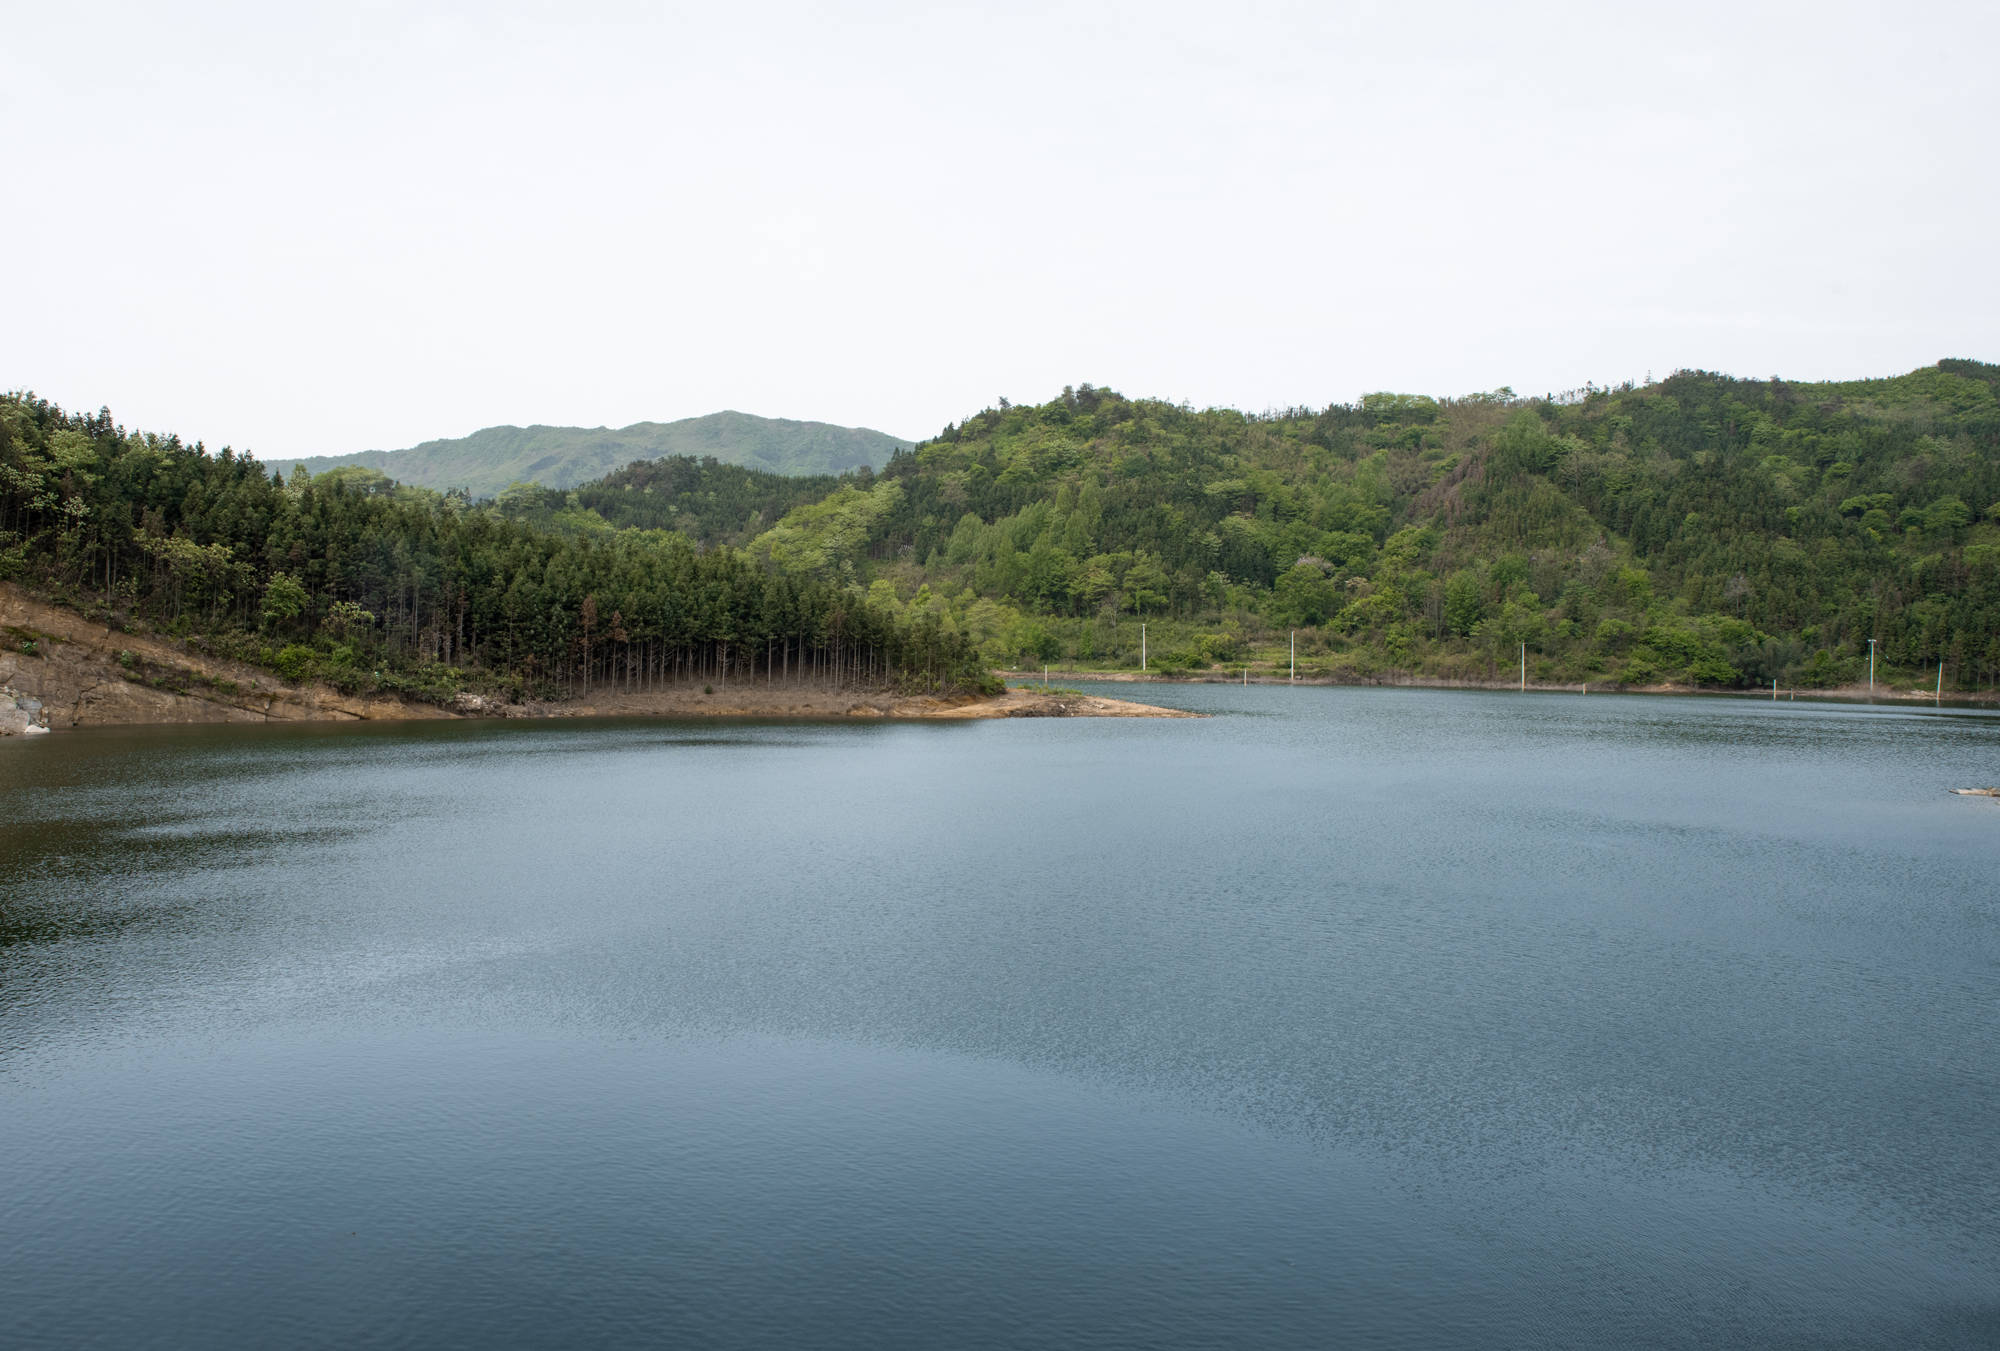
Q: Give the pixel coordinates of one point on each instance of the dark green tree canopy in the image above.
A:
(371, 584)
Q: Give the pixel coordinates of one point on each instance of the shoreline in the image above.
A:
(60, 670)
(688, 701)
(1844, 694)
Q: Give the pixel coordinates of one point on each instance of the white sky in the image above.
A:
(308, 230)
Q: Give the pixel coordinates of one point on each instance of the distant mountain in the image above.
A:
(560, 457)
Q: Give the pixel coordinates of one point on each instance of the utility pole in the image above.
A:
(1295, 656)
(1142, 647)
(1524, 668)
(1938, 697)
(1871, 668)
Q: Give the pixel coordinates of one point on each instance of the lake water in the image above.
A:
(1343, 1017)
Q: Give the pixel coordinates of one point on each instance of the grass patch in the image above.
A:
(28, 642)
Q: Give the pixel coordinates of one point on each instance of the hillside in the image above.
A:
(381, 591)
(488, 461)
(1703, 530)
(709, 502)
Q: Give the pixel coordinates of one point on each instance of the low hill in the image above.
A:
(709, 502)
(1703, 530)
(560, 457)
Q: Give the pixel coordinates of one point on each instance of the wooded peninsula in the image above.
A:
(1703, 531)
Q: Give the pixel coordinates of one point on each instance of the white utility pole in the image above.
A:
(1142, 647)
(1524, 668)
(1939, 695)
(1295, 656)
(1871, 668)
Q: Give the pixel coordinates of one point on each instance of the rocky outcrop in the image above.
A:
(21, 714)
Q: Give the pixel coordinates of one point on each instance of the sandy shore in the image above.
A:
(755, 701)
(59, 669)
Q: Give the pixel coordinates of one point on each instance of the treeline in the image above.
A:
(369, 585)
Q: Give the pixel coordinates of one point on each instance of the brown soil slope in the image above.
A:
(81, 673)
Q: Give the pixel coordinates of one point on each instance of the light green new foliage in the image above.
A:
(284, 600)
(828, 538)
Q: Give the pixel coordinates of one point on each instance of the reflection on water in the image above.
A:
(1391, 1017)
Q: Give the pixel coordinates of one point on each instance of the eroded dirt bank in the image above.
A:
(59, 670)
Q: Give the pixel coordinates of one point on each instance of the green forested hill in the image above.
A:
(708, 501)
(1705, 529)
(487, 461)
(368, 585)
(1702, 529)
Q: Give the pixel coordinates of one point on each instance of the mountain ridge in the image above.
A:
(488, 460)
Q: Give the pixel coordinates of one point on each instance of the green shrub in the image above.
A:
(1712, 670)
(1639, 671)
(1219, 647)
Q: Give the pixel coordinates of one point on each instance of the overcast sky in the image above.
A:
(308, 230)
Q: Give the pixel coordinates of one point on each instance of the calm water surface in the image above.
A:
(1344, 1017)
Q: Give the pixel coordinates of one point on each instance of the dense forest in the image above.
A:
(708, 501)
(1703, 529)
(351, 578)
